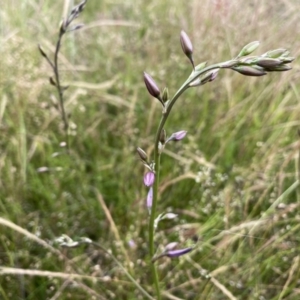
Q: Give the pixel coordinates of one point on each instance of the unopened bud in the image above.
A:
(149, 179)
(162, 137)
(187, 46)
(177, 136)
(267, 62)
(142, 154)
(52, 82)
(249, 48)
(250, 71)
(280, 68)
(209, 76)
(179, 252)
(275, 53)
(149, 200)
(152, 87)
(62, 27)
(200, 66)
(42, 51)
(165, 95)
(285, 60)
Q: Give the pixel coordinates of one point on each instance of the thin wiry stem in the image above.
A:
(59, 88)
(157, 156)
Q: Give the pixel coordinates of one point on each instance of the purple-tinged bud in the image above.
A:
(152, 87)
(213, 75)
(280, 68)
(142, 154)
(266, 62)
(275, 53)
(187, 46)
(179, 252)
(249, 48)
(250, 71)
(177, 136)
(163, 136)
(207, 77)
(171, 246)
(149, 199)
(149, 178)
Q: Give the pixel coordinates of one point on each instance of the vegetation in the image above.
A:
(233, 180)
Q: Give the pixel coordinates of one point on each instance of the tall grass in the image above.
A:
(240, 157)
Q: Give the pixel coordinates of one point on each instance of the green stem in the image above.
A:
(157, 155)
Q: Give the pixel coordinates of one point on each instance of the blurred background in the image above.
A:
(232, 180)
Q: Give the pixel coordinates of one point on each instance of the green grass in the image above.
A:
(242, 138)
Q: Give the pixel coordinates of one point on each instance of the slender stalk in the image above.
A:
(157, 156)
(59, 89)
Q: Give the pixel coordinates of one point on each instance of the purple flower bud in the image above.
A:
(187, 46)
(142, 154)
(267, 62)
(179, 252)
(250, 71)
(152, 87)
(150, 198)
(171, 246)
(149, 179)
(177, 136)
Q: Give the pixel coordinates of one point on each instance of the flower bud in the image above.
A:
(152, 87)
(52, 81)
(275, 53)
(179, 252)
(267, 62)
(280, 68)
(149, 199)
(249, 48)
(171, 246)
(62, 27)
(149, 179)
(187, 46)
(250, 71)
(165, 95)
(162, 137)
(42, 51)
(142, 154)
(177, 136)
(200, 66)
(287, 59)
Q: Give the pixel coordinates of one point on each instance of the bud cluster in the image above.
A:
(272, 61)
